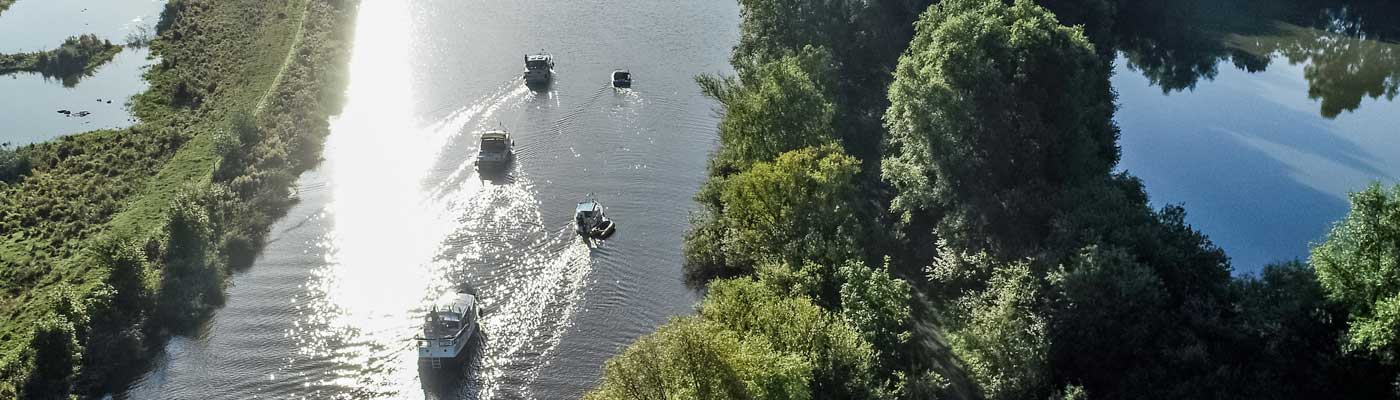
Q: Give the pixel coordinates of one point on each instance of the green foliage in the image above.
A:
(841, 361)
(771, 108)
(690, 358)
(995, 110)
(996, 331)
(54, 352)
(795, 202)
(77, 57)
(1110, 320)
(1073, 392)
(864, 38)
(1359, 267)
(1290, 341)
(13, 164)
(103, 213)
(792, 210)
(191, 282)
(749, 340)
(877, 305)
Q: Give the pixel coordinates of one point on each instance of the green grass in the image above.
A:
(218, 59)
(5, 5)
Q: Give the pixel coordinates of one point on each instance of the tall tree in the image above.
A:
(994, 111)
(792, 210)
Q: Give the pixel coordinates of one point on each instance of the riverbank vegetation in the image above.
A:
(943, 219)
(78, 56)
(112, 240)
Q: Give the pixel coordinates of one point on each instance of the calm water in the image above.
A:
(396, 216)
(29, 102)
(1261, 125)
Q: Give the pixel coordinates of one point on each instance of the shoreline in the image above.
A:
(117, 239)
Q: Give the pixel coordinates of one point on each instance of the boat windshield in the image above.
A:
(536, 64)
(493, 145)
(621, 76)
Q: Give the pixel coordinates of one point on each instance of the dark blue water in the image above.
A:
(1264, 143)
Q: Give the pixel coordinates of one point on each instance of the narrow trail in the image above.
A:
(291, 52)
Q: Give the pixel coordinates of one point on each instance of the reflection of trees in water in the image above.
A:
(1341, 70)
(1177, 43)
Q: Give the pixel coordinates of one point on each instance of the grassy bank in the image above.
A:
(112, 240)
(5, 5)
(77, 56)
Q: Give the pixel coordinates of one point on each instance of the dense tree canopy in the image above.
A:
(749, 341)
(1049, 275)
(994, 111)
(772, 107)
(795, 209)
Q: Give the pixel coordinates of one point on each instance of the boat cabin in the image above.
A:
(590, 222)
(539, 68)
(622, 78)
(496, 150)
(447, 329)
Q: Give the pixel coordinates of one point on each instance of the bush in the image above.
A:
(54, 352)
(13, 164)
(690, 358)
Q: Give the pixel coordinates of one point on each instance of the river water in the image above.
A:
(1259, 128)
(396, 215)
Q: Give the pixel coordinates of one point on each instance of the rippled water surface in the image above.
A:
(397, 216)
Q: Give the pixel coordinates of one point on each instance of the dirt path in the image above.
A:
(291, 53)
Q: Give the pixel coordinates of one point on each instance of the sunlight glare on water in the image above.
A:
(397, 215)
(380, 251)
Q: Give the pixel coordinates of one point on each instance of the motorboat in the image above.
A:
(497, 150)
(622, 79)
(590, 222)
(447, 329)
(539, 68)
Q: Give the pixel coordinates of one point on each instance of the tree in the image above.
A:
(13, 164)
(1110, 323)
(795, 209)
(877, 305)
(1359, 267)
(690, 358)
(772, 107)
(54, 352)
(994, 110)
(996, 331)
(1291, 341)
(841, 361)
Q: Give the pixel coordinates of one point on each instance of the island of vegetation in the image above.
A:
(110, 241)
(77, 55)
(920, 201)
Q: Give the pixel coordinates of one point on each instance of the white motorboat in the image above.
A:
(447, 330)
